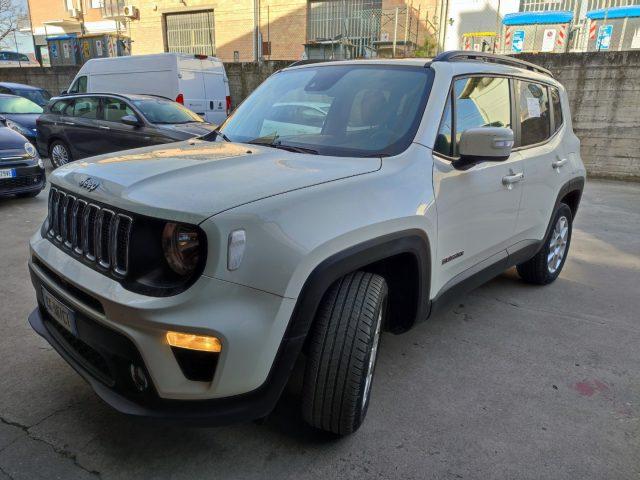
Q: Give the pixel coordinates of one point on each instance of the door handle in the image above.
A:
(104, 127)
(69, 123)
(509, 180)
(558, 163)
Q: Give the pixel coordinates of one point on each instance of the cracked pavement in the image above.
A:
(512, 381)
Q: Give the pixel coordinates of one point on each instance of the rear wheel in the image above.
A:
(59, 153)
(342, 353)
(545, 267)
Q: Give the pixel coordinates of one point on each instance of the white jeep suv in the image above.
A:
(339, 200)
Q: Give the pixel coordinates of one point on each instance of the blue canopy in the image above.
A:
(615, 12)
(534, 18)
(68, 36)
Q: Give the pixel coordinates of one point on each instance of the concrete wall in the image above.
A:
(55, 80)
(244, 78)
(604, 92)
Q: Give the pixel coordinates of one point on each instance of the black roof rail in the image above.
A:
(465, 55)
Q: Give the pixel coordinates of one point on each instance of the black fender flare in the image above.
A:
(574, 185)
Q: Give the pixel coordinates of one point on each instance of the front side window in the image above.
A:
(18, 105)
(79, 86)
(533, 107)
(557, 109)
(341, 110)
(165, 111)
(114, 109)
(481, 102)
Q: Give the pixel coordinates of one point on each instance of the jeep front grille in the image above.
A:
(98, 234)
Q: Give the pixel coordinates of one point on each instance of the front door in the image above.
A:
(477, 208)
(117, 135)
(81, 126)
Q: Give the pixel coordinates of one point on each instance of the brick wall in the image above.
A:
(604, 93)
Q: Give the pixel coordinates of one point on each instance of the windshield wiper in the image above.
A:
(278, 144)
(213, 134)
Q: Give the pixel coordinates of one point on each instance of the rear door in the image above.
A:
(191, 86)
(81, 128)
(541, 143)
(477, 212)
(215, 88)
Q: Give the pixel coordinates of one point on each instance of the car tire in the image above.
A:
(59, 153)
(547, 264)
(342, 353)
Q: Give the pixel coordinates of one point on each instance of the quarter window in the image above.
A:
(533, 107)
(443, 140)
(557, 109)
(59, 107)
(79, 86)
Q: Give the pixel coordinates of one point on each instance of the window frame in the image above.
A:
(515, 111)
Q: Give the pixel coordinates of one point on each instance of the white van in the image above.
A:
(199, 82)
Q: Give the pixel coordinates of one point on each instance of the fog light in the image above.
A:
(189, 341)
(139, 377)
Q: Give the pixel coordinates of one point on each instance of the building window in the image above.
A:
(191, 32)
(69, 4)
(96, 3)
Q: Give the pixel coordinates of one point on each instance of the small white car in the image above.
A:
(198, 82)
(187, 280)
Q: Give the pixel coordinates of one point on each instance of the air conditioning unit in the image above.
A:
(75, 13)
(130, 11)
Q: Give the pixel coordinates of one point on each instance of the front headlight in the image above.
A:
(18, 128)
(182, 249)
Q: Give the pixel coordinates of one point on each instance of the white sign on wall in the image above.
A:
(548, 40)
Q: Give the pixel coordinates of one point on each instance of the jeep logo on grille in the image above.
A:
(89, 184)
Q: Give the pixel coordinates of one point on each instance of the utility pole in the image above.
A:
(256, 30)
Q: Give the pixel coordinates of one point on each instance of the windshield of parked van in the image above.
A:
(341, 110)
(18, 105)
(166, 111)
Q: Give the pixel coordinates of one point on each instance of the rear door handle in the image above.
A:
(509, 180)
(103, 127)
(558, 163)
(69, 123)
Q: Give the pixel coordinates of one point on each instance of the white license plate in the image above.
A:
(8, 173)
(59, 312)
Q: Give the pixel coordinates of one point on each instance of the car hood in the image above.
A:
(27, 120)
(193, 180)
(187, 130)
(11, 143)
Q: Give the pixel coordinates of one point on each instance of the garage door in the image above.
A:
(191, 32)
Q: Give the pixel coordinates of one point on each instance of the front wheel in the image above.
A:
(59, 154)
(342, 353)
(547, 264)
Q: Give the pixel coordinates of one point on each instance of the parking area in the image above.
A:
(513, 381)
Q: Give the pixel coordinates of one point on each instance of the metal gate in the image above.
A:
(191, 32)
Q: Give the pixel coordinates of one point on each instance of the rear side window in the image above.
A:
(533, 107)
(557, 109)
(86, 107)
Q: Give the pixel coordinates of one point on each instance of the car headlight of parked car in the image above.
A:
(181, 245)
(18, 128)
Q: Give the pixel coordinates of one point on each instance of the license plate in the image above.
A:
(59, 312)
(8, 173)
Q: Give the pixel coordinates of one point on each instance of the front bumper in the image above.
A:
(28, 179)
(126, 328)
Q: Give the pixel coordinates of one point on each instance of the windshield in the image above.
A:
(341, 110)
(41, 97)
(18, 105)
(165, 111)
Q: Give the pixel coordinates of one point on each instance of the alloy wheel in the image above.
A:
(558, 244)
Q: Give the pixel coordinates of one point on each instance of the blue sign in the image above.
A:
(53, 48)
(518, 41)
(603, 42)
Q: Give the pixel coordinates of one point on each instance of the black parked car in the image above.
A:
(20, 114)
(21, 170)
(35, 94)
(77, 126)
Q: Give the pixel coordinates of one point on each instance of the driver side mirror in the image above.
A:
(484, 144)
(131, 120)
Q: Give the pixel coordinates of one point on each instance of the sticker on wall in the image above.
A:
(604, 37)
(65, 50)
(53, 49)
(635, 41)
(99, 48)
(548, 40)
(517, 44)
(86, 51)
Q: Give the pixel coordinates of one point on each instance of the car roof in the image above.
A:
(21, 86)
(128, 96)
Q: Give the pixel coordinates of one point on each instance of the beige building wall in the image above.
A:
(282, 21)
